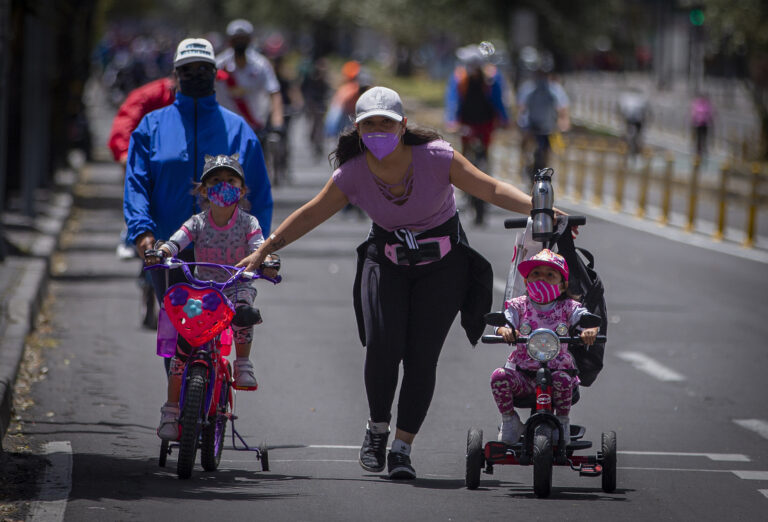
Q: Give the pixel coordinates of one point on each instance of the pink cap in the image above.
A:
(545, 257)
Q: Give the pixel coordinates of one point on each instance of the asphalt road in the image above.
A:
(682, 388)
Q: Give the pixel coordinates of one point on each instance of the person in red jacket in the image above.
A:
(140, 101)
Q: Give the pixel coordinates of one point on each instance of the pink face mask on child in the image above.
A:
(542, 292)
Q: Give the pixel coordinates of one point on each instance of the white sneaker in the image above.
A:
(169, 422)
(565, 421)
(511, 428)
(125, 252)
(244, 376)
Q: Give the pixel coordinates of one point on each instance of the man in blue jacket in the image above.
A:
(167, 149)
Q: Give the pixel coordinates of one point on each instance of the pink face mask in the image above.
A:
(381, 144)
(542, 292)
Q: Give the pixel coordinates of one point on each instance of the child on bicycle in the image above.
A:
(222, 233)
(545, 306)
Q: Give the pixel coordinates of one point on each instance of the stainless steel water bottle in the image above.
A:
(543, 198)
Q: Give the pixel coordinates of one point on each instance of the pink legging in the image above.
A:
(506, 384)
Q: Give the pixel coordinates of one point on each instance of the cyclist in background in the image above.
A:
(635, 110)
(474, 107)
(315, 90)
(542, 112)
(246, 81)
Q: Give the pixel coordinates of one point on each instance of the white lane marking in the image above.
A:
(742, 474)
(645, 364)
(57, 483)
(751, 475)
(719, 457)
(759, 426)
(764, 492)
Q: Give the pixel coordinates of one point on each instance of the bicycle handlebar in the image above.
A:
(239, 273)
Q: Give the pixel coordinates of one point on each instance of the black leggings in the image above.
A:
(407, 313)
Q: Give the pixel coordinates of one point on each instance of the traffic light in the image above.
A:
(696, 16)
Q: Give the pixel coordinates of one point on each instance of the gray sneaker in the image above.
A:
(169, 422)
(399, 466)
(511, 429)
(373, 452)
(244, 377)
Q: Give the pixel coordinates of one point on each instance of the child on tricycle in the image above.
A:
(546, 305)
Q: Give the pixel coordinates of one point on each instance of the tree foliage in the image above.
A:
(742, 27)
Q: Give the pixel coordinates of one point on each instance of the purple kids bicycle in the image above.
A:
(201, 314)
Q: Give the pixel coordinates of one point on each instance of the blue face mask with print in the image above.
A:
(223, 194)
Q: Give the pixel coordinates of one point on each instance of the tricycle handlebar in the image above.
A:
(497, 339)
(523, 221)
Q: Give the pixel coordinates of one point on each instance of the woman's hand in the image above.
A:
(253, 261)
(509, 335)
(588, 336)
(574, 228)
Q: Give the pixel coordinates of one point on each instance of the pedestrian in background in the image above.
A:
(416, 271)
(701, 121)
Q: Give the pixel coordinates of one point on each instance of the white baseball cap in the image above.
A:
(194, 50)
(379, 101)
(239, 27)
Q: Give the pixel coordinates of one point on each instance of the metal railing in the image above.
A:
(602, 173)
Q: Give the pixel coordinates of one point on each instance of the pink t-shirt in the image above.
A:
(428, 199)
(521, 310)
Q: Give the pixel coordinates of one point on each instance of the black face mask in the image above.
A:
(240, 48)
(196, 82)
(197, 87)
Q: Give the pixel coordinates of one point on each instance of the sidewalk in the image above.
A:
(24, 276)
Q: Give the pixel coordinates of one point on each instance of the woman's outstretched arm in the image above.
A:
(324, 205)
(465, 176)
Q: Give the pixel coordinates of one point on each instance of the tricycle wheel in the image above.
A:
(264, 456)
(163, 453)
(609, 461)
(475, 458)
(542, 461)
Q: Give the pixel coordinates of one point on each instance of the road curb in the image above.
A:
(26, 282)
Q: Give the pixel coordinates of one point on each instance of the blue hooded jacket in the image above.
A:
(166, 157)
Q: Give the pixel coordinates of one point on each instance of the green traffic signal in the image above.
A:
(696, 16)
